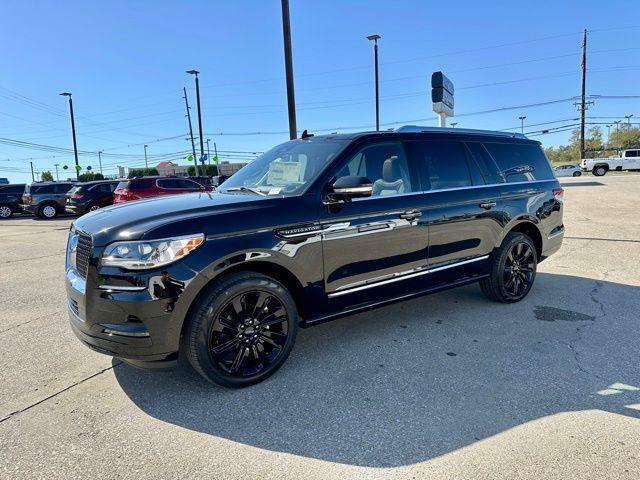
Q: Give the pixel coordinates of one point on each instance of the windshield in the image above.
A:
(286, 169)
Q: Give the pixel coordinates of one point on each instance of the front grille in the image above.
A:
(83, 253)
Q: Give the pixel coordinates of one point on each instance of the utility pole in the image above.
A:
(583, 105)
(146, 164)
(521, 118)
(375, 39)
(617, 122)
(33, 177)
(193, 145)
(100, 160)
(56, 165)
(208, 154)
(73, 131)
(609, 134)
(196, 72)
(288, 63)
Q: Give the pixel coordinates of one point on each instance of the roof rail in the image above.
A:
(493, 133)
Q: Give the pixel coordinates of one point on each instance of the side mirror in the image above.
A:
(346, 188)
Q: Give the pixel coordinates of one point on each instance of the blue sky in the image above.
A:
(125, 61)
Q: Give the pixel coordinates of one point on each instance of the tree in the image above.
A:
(624, 138)
(593, 144)
(46, 176)
(90, 176)
(142, 172)
(206, 170)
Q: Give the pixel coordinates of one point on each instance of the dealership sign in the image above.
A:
(442, 95)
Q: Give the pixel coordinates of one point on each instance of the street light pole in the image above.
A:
(617, 122)
(628, 117)
(196, 72)
(288, 65)
(56, 165)
(375, 39)
(609, 134)
(193, 145)
(100, 160)
(208, 154)
(146, 164)
(73, 132)
(522, 117)
(453, 124)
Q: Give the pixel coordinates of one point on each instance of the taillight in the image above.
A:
(123, 195)
(558, 194)
(29, 198)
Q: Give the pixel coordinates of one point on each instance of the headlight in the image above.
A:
(141, 255)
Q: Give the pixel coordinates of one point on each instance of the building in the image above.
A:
(170, 168)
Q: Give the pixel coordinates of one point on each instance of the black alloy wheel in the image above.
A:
(513, 269)
(249, 333)
(242, 329)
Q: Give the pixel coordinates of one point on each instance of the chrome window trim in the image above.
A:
(402, 276)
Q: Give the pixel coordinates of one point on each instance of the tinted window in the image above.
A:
(520, 162)
(62, 188)
(444, 163)
(135, 184)
(485, 163)
(385, 164)
(632, 153)
(189, 184)
(41, 189)
(12, 189)
(168, 183)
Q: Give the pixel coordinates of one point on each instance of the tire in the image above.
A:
(577, 174)
(221, 343)
(6, 211)
(600, 171)
(47, 211)
(93, 208)
(510, 282)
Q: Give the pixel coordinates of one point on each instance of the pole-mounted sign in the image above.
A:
(442, 97)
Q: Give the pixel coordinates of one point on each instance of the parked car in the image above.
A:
(89, 196)
(4, 181)
(567, 171)
(148, 187)
(205, 181)
(626, 160)
(314, 229)
(10, 196)
(46, 199)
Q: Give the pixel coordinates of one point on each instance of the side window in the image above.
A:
(485, 163)
(632, 153)
(105, 188)
(520, 162)
(188, 184)
(63, 188)
(445, 164)
(168, 183)
(385, 164)
(112, 187)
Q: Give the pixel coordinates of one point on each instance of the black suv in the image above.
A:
(46, 199)
(89, 196)
(10, 197)
(314, 229)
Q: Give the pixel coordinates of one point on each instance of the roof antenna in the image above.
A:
(305, 134)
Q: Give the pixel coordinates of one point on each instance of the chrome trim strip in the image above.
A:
(403, 276)
(311, 233)
(122, 288)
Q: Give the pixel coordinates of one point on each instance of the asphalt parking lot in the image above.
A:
(445, 386)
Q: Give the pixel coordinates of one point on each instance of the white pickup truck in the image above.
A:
(627, 160)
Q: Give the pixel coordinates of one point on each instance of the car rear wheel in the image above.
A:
(512, 269)
(599, 171)
(6, 211)
(94, 207)
(47, 211)
(242, 330)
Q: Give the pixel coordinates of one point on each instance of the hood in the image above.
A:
(166, 216)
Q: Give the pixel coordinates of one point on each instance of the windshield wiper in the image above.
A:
(246, 189)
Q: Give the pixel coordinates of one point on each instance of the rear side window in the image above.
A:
(520, 162)
(62, 187)
(12, 189)
(445, 164)
(169, 183)
(42, 189)
(135, 184)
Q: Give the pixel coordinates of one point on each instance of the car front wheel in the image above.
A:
(577, 174)
(242, 329)
(6, 211)
(512, 269)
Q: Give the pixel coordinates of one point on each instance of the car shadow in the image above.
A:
(419, 379)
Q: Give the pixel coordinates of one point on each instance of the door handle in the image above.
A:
(487, 205)
(411, 214)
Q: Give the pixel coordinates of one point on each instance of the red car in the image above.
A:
(149, 187)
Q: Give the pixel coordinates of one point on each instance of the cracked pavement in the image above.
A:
(446, 386)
